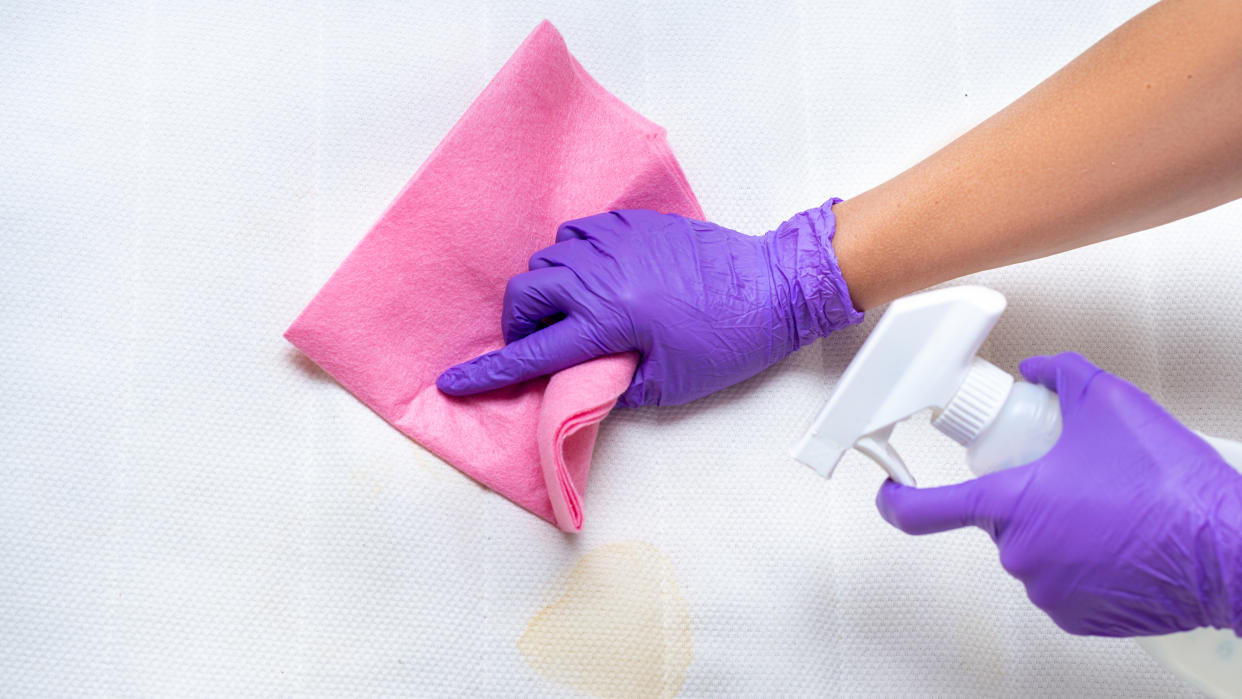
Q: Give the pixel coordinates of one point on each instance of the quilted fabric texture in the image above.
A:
(189, 507)
(543, 144)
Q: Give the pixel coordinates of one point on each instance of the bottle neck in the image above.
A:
(977, 402)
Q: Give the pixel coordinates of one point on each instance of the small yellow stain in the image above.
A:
(373, 478)
(620, 629)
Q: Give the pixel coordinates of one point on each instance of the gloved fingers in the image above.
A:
(558, 346)
(533, 299)
(591, 227)
(575, 254)
(575, 229)
(985, 502)
(1068, 373)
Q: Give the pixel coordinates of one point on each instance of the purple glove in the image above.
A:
(705, 306)
(1131, 525)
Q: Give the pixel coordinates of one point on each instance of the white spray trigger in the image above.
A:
(918, 356)
(876, 446)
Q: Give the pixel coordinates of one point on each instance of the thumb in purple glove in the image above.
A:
(705, 306)
(1130, 525)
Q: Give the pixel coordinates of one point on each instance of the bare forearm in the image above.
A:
(1143, 128)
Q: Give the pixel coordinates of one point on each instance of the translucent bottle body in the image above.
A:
(1026, 428)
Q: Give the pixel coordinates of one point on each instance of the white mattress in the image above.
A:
(188, 507)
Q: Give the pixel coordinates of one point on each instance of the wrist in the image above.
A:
(889, 245)
(851, 224)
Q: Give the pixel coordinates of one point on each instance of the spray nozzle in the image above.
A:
(920, 355)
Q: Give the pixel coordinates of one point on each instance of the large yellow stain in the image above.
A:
(620, 629)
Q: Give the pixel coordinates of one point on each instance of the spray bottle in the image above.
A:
(922, 355)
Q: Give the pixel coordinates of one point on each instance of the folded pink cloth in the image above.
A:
(542, 144)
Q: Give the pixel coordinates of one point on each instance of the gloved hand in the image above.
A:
(1130, 525)
(704, 305)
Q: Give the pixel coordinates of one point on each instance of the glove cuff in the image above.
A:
(807, 276)
(1224, 610)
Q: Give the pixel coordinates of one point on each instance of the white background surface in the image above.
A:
(187, 507)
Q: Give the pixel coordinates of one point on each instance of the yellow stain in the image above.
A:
(620, 629)
(374, 479)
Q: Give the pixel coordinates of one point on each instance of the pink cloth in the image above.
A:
(542, 144)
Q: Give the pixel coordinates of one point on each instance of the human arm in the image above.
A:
(1143, 128)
